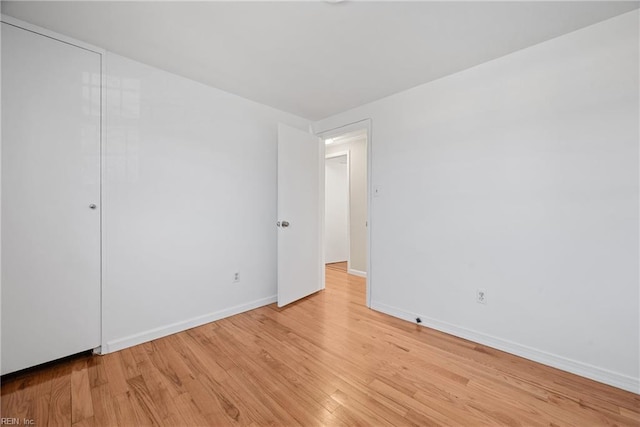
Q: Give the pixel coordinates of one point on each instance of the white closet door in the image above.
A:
(51, 101)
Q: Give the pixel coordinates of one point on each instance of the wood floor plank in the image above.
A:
(209, 404)
(129, 364)
(170, 373)
(125, 412)
(196, 358)
(187, 413)
(97, 371)
(117, 381)
(324, 360)
(281, 388)
(17, 403)
(81, 404)
(60, 403)
(162, 391)
(85, 422)
(227, 404)
(330, 380)
(104, 412)
(143, 402)
(269, 412)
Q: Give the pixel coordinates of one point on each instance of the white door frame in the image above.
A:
(333, 156)
(340, 130)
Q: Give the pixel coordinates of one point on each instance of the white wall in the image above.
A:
(189, 199)
(357, 202)
(519, 176)
(336, 204)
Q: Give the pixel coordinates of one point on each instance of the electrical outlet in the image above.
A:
(481, 296)
(236, 277)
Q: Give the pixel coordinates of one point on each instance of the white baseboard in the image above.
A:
(575, 367)
(173, 328)
(357, 272)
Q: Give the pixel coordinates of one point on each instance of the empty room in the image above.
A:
(420, 213)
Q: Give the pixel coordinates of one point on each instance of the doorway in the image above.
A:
(346, 234)
(301, 209)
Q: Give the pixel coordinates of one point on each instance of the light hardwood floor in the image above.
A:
(340, 266)
(326, 360)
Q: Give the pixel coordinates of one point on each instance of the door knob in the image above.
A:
(92, 206)
(285, 224)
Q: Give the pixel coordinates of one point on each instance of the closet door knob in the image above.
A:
(92, 206)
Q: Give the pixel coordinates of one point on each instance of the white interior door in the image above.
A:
(51, 99)
(300, 200)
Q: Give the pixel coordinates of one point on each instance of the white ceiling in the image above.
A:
(314, 59)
